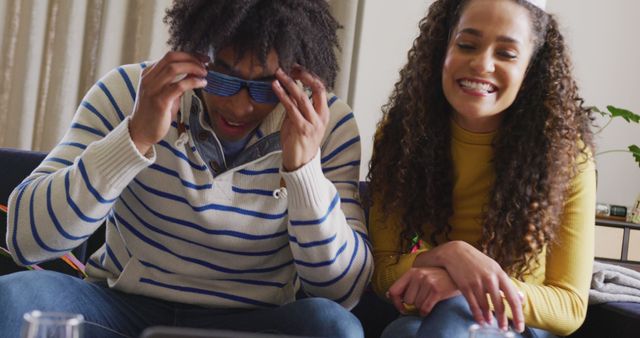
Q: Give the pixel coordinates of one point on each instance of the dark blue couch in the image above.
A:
(605, 320)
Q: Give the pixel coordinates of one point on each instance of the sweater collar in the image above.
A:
(462, 135)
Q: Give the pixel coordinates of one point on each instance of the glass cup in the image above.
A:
(38, 324)
(485, 331)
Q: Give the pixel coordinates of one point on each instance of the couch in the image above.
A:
(604, 320)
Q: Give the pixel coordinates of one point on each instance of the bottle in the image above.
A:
(634, 216)
(602, 209)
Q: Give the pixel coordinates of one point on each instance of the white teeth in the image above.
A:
(479, 86)
(234, 124)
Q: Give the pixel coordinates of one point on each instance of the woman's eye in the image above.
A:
(465, 46)
(508, 54)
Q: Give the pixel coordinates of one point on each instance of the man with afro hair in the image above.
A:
(226, 174)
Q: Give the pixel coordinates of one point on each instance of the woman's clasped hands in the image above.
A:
(453, 268)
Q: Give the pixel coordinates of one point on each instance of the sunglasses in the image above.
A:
(225, 85)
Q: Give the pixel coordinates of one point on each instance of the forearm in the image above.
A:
(330, 253)
(559, 304)
(68, 196)
(439, 256)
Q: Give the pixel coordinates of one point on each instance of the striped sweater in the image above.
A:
(176, 230)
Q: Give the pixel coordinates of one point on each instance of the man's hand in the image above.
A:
(158, 98)
(306, 121)
(422, 288)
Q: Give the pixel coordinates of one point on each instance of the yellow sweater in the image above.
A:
(556, 293)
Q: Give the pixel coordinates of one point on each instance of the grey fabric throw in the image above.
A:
(613, 283)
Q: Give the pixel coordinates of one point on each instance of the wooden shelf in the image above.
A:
(627, 227)
(614, 221)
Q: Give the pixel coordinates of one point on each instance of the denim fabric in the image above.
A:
(449, 318)
(206, 143)
(110, 313)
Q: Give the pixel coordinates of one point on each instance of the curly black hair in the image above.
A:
(537, 147)
(302, 32)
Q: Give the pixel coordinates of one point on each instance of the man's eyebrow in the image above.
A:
(478, 33)
(227, 67)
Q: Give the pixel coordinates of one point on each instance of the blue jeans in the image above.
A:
(449, 318)
(111, 313)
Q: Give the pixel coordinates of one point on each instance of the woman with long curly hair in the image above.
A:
(482, 177)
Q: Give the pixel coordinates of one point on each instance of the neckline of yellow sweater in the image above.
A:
(465, 136)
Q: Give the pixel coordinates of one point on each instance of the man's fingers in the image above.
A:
(172, 72)
(318, 91)
(297, 95)
(175, 90)
(292, 110)
(171, 65)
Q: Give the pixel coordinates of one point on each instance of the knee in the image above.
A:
(14, 286)
(34, 281)
(455, 307)
(403, 327)
(21, 292)
(449, 318)
(331, 319)
(28, 289)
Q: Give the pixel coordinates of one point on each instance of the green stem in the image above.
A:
(601, 129)
(613, 151)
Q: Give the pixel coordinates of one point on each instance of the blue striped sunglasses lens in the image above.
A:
(225, 85)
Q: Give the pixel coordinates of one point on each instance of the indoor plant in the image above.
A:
(614, 112)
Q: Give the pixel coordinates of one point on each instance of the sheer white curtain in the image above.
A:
(347, 12)
(52, 51)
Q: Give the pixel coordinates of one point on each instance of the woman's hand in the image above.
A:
(476, 276)
(422, 288)
(306, 120)
(158, 98)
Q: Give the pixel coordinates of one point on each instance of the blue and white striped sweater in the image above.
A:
(176, 232)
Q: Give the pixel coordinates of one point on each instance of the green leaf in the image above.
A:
(595, 109)
(635, 151)
(625, 114)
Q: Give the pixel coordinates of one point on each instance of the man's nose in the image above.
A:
(241, 103)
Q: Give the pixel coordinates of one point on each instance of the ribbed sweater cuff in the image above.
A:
(115, 160)
(307, 187)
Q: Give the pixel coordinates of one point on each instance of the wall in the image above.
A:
(602, 38)
(387, 32)
(604, 41)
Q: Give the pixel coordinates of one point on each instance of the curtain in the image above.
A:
(52, 51)
(348, 14)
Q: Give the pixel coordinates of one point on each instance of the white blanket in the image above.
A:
(613, 283)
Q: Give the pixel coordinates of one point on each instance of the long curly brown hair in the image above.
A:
(536, 147)
(302, 32)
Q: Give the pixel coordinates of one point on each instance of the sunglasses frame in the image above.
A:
(221, 84)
